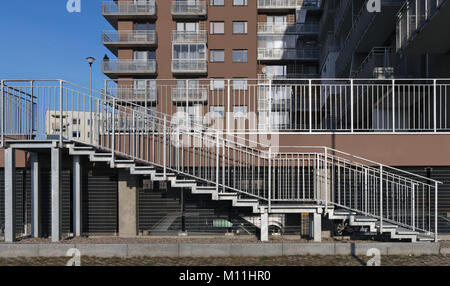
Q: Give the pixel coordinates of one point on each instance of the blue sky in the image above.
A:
(40, 39)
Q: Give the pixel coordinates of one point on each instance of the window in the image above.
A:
(240, 56)
(216, 2)
(240, 111)
(217, 28)
(76, 134)
(240, 84)
(75, 121)
(217, 84)
(240, 3)
(217, 111)
(240, 28)
(217, 56)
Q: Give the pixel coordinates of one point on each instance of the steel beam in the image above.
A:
(56, 194)
(10, 195)
(76, 169)
(35, 196)
(264, 225)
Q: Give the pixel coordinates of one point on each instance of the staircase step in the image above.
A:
(386, 225)
(344, 212)
(405, 231)
(365, 219)
(425, 238)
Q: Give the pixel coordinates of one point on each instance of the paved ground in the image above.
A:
(432, 260)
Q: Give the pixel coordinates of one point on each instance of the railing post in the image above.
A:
(217, 162)
(61, 112)
(381, 199)
(113, 132)
(133, 117)
(164, 147)
(31, 110)
(393, 105)
(310, 107)
(436, 239)
(270, 179)
(435, 105)
(270, 100)
(326, 178)
(413, 208)
(351, 106)
(3, 113)
(228, 105)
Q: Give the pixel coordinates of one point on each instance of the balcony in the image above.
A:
(128, 39)
(288, 28)
(135, 94)
(181, 37)
(274, 54)
(128, 10)
(114, 68)
(181, 66)
(277, 5)
(189, 9)
(422, 27)
(198, 95)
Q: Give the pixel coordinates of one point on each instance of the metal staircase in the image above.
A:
(268, 179)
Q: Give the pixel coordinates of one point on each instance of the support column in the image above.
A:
(317, 227)
(35, 195)
(10, 195)
(127, 204)
(264, 225)
(56, 194)
(76, 169)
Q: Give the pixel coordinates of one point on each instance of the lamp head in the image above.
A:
(90, 60)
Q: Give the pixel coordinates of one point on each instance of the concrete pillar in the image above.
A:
(56, 194)
(35, 196)
(10, 195)
(317, 227)
(76, 169)
(128, 188)
(264, 225)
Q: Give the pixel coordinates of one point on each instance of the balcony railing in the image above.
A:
(189, 37)
(129, 37)
(285, 4)
(129, 8)
(189, 66)
(129, 66)
(288, 28)
(412, 16)
(288, 54)
(189, 8)
(134, 94)
(194, 95)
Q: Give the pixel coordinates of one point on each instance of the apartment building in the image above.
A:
(298, 116)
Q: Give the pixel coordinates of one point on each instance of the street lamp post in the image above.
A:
(90, 60)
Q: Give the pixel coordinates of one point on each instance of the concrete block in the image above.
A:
(103, 250)
(257, 249)
(360, 249)
(445, 251)
(205, 250)
(54, 250)
(19, 250)
(153, 250)
(400, 248)
(309, 249)
(426, 248)
(342, 249)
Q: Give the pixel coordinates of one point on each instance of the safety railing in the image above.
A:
(412, 16)
(129, 37)
(187, 66)
(129, 66)
(288, 54)
(189, 8)
(172, 143)
(189, 37)
(288, 28)
(129, 8)
(285, 4)
(302, 105)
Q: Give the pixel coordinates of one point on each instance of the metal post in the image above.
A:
(326, 178)
(227, 116)
(56, 194)
(77, 195)
(31, 110)
(351, 106)
(270, 100)
(113, 133)
(133, 116)
(270, 179)
(381, 199)
(92, 101)
(165, 147)
(435, 106)
(413, 209)
(10, 195)
(393, 105)
(61, 112)
(310, 107)
(3, 113)
(35, 195)
(436, 239)
(217, 163)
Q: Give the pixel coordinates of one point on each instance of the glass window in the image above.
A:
(217, 111)
(217, 56)
(240, 2)
(216, 2)
(217, 28)
(240, 56)
(240, 28)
